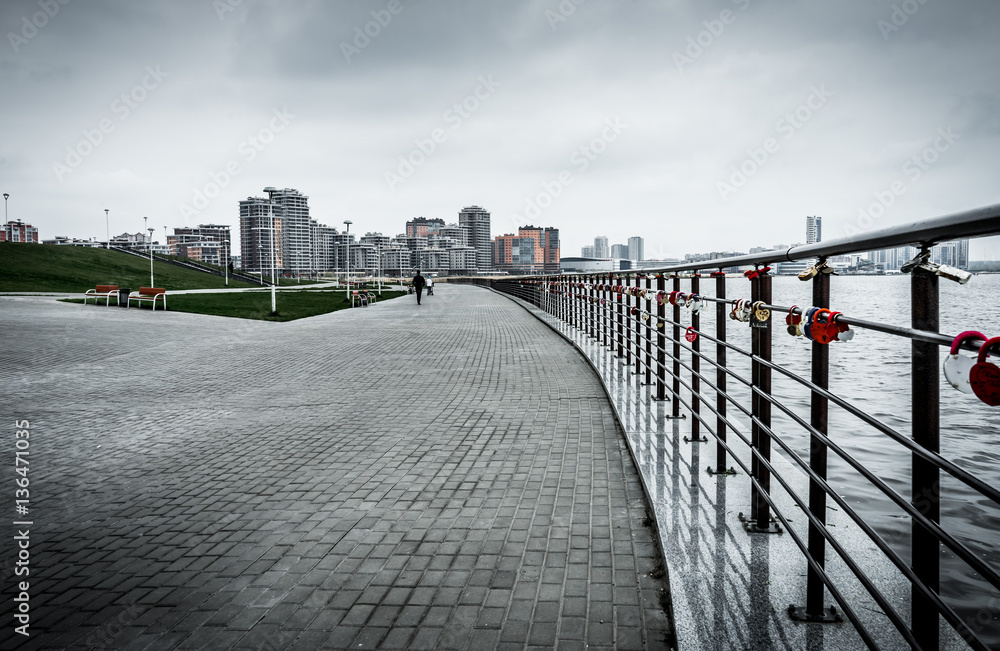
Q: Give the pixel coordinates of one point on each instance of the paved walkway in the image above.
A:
(444, 476)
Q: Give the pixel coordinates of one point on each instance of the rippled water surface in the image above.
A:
(873, 373)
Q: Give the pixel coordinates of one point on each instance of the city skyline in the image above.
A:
(810, 109)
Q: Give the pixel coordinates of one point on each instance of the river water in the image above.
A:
(873, 372)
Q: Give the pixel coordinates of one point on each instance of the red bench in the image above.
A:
(102, 291)
(151, 294)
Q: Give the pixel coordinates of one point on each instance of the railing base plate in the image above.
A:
(750, 526)
(711, 471)
(829, 615)
(700, 439)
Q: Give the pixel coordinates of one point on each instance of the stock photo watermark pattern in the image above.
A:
(706, 38)
(365, 34)
(122, 107)
(915, 167)
(786, 127)
(581, 159)
(248, 149)
(453, 117)
(899, 16)
(30, 26)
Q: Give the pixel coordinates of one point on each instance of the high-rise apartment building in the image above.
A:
(293, 230)
(636, 247)
(532, 250)
(550, 246)
(293, 206)
(601, 249)
(324, 246)
(477, 220)
(421, 226)
(814, 230)
(205, 243)
(587, 252)
(619, 251)
(261, 233)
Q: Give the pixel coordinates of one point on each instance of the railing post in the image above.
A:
(606, 311)
(696, 436)
(636, 321)
(721, 314)
(649, 334)
(590, 294)
(815, 589)
(661, 342)
(760, 516)
(619, 324)
(676, 411)
(627, 329)
(926, 487)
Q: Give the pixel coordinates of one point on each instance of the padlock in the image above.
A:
(844, 332)
(985, 376)
(761, 312)
(807, 323)
(690, 334)
(825, 329)
(794, 322)
(957, 367)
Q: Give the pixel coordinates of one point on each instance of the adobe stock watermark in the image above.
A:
(453, 117)
(786, 127)
(706, 38)
(564, 10)
(912, 170)
(104, 636)
(38, 20)
(121, 107)
(223, 7)
(364, 34)
(581, 159)
(248, 149)
(898, 17)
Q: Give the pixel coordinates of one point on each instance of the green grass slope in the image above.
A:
(50, 268)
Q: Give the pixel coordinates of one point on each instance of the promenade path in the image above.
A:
(444, 476)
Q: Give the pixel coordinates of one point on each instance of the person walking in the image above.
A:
(430, 286)
(418, 285)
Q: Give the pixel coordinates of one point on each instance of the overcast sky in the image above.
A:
(698, 125)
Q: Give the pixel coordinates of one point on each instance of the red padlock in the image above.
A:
(690, 334)
(823, 332)
(985, 376)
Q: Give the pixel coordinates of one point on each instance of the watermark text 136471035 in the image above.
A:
(22, 570)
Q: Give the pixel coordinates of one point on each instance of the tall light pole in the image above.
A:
(348, 223)
(5, 197)
(150, 243)
(107, 227)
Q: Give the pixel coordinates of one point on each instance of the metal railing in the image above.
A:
(626, 313)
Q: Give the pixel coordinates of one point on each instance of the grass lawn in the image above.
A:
(51, 268)
(257, 305)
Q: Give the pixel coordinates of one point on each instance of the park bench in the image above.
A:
(151, 294)
(105, 291)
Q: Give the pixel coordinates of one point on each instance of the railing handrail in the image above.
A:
(970, 224)
(623, 326)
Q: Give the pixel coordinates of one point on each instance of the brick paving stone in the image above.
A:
(387, 477)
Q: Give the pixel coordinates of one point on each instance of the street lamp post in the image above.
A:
(348, 223)
(107, 227)
(150, 244)
(5, 197)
